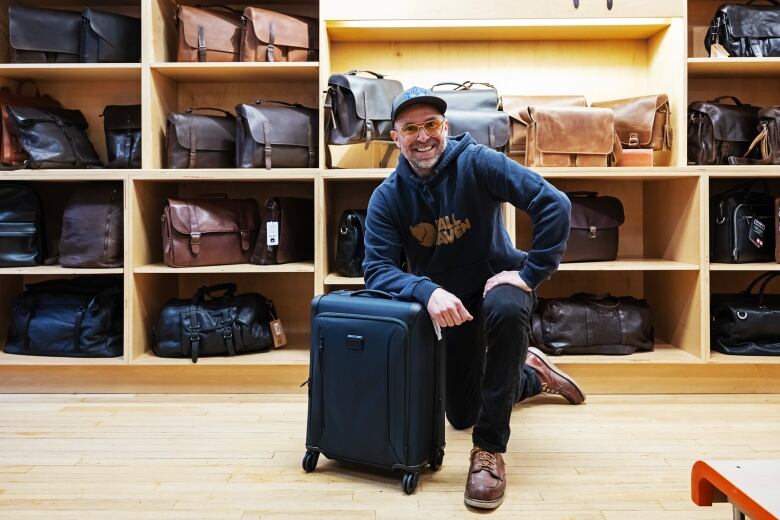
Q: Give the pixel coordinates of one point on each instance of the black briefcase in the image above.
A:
(376, 384)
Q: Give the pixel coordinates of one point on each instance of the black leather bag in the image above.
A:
(592, 324)
(109, 37)
(476, 111)
(717, 130)
(201, 141)
(43, 35)
(214, 325)
(53, 138)
(746, 30)
(122, 124)
(283, 136)
(747, 324)
(93, 227)
(350, 250)
(731, 221)
(595, 222)
(21, 227)
(767, 142)
(82, 317)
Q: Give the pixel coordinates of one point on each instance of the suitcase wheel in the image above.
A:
(409, 482)
(437, 458)
(310, 460)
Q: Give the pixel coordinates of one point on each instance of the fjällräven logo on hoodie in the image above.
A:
(447, 231)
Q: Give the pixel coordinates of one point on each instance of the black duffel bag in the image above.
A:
(716, 131)
(747, 324)
(81, 317)
(211, 325)
(350, 250)
(592, 324)
(746, 31)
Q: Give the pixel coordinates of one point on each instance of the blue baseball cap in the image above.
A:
(416, 96)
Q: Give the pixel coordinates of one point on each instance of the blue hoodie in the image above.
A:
(450, 224)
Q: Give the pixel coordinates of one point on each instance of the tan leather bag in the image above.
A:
(642, 122)
(208, 34)
(12, 151)
(517, 108)
(571, 136)
(272, 36)
(209, 231)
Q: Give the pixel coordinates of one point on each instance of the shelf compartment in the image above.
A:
(293, 267)
(663, 354)
(239, 72)
(733, 67)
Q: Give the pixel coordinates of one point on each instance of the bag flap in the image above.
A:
(517, 106)
(769, 113)
(25, 116)
(752, 21)
(378, 93)
(287, 125)
(573, 130)
(481, 125)
(213, 215)
(635, 115)
(729, 122)
(47, 30)
(601, 212)
(222, 31)
(211, 132)
(469, 99)
(122, 33)
(122, 117)
(290, 31)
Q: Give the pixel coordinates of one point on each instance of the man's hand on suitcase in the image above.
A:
(446, 309)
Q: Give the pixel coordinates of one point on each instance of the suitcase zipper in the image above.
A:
(322, 386)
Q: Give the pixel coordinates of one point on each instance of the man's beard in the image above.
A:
(427, 164)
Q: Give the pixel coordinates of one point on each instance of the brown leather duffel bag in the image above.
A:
(286, 232)
(12, 151)
(272, 36)
(517, 108)
(208, 35)
(571, 136)
(642, 122)
(209, 231)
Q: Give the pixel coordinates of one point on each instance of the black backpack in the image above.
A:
(21, 227)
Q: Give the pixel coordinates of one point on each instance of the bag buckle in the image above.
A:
(245, 240)
(195, 243)
(592, 231)
(633, 140)
(227, 333)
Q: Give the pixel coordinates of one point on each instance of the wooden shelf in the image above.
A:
(630, 264)
(96, 174)
(15, 359)
(72, 72)
(624, 174)
(227, 174)
(663, 354)
(49, 270)
(740, 172)
(335, 279)
(760, 266)
(725, 359)
(239, 72)
(295, 267)
(496, 30)
(362, 174)
(297, 354)
(734, 67)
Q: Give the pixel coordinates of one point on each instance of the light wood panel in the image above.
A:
(293, 267)
(56, 270)
(241, 72)
(97, 72)
(734, 67)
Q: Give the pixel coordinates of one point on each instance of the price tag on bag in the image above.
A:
(756, 234)
(277, 331)
(272, 233)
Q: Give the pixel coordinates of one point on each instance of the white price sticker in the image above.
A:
(272, 233)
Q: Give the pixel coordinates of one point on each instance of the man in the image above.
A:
(442, 206)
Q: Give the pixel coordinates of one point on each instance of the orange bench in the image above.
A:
(751, 486)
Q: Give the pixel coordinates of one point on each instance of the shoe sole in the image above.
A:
(483, 504)
(538, 353)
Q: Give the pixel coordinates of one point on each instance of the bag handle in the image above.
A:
(468, 84)
(773, 2)
(597, 299)
(227, 114)
(355, 72)
(27, 82)
(756, 280)
(583, 194)
(220, 6)
(733, 98)
(458, 86)
(768, 279)
(285, 103)
(374, 293)
(208, 290)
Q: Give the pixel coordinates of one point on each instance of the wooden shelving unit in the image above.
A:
(547, 47)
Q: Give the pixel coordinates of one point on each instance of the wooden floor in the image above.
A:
(216, 457)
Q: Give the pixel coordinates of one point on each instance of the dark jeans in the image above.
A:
(486, 372)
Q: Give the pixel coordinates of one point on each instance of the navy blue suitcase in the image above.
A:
(376, 384)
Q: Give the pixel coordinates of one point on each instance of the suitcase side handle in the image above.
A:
(374, 293)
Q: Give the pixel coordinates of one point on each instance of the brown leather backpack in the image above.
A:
(92, 227)
(12, 151)
(272, 36)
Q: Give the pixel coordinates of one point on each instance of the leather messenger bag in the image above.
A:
(594, 227)
(12, 150)
(746, 31)
(43, 35)
(517, 109)
(109, 37)
(286, 231)
(272, 36)
(571, 136)
(208, 34)
(716, 130)
(767, 142)
(592, 324)
(276, 133)
(209, 231)
(465, 97)
(642, 122)
(476, 111)
(201, 141)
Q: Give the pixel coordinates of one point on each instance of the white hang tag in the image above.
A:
(437, 330)
(272, 233)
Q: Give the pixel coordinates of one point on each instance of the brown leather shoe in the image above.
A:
(486, 481)
(554, 380)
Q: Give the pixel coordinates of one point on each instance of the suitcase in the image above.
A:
(376, 384)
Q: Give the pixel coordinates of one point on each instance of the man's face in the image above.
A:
(421, 150)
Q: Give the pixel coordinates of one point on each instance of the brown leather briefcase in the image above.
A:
(517, 108)
(642, 122)
(571, 136)
(286, 232)
(272, 36)
(208, 34)
(12, 151)
(209, 231)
